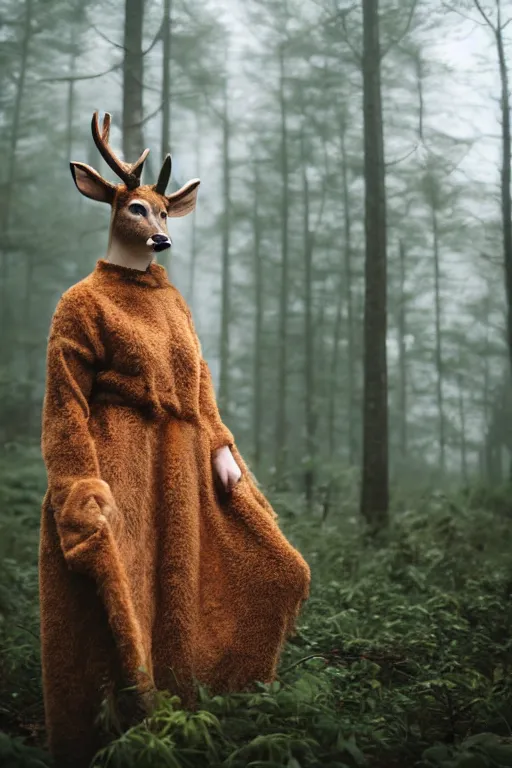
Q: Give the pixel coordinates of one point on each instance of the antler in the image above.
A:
(164, 176)
(130, 174)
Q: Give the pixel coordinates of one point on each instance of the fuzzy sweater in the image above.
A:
(151, 576)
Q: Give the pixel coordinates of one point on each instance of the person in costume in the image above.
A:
(161, 562)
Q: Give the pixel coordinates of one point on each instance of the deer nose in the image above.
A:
(159, 242)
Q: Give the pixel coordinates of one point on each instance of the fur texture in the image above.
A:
(151, 576)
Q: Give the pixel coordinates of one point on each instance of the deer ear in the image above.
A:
(184, 200)
(91, 184)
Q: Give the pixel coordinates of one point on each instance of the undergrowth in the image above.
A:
(403, 656)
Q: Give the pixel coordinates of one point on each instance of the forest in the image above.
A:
(349, 271)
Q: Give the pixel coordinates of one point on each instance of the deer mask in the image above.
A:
(139, 213)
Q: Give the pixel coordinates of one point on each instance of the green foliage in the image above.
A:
(497, 499)
(22, 485)
(14, 753)
(402, 657)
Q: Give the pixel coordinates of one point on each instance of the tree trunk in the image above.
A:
(375, 477)
(281, 423)
(333, 379)
(506, 205)
(226, 277)
(402, 356)
(258, 325)
(28, 346)
(166, 79)
(462, 423)
(351, 361)
(193, 237)
(16, 118)
(70, 102)
(439, 339)
(8, 345)
(487, 376)
(493, 442)
(133, 140)
(345, 296)
(309, 361)
(421, 103)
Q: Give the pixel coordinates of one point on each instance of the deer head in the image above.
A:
(139, 213)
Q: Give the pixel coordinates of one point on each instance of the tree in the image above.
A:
(226, 261)
(497, 29)
(375, 481)
(166, 78)
(133, 85)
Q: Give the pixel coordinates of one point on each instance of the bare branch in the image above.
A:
(75, 78)
(149, 117)
(107, 39)
(340, 14)
(357, 54)
(401, 159)
(396, 40)
(459, 13)
(157, 37)
(484, 15)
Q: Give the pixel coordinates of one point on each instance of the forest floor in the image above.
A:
(403, 655)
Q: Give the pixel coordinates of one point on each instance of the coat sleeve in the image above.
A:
(220, 435)
(81, 501)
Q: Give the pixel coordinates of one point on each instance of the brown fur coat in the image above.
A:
(150, 575)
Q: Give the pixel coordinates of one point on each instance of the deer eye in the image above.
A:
(164, 214)
(137, 209)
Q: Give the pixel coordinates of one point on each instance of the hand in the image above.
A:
(227, 469)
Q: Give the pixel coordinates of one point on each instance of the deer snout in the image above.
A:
(159, 242)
